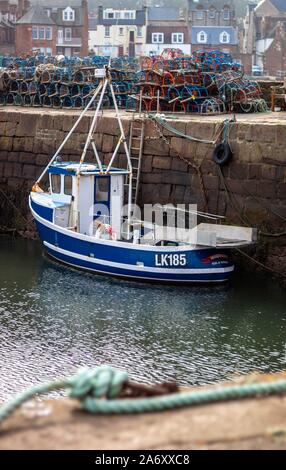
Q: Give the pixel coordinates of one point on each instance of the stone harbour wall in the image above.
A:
(250, 190)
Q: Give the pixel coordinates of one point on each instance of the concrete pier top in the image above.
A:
(59, 424)
(251, 118)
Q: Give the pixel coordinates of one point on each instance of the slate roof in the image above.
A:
(163, 14)
(213, 33)
(35, 15)
(60, 3)
(280, 5)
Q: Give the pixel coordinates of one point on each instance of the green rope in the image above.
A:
(162, 122)
(98, 390)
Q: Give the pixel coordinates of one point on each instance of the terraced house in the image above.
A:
(54, 27)
(265, 36)
(8, 16)
(213, 25)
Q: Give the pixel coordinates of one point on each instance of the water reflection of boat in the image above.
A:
(82, 222)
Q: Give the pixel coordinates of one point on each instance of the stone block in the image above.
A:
(242, 188)
(6, 143)
(177, 194)
(8, 170)
(152, 178)
(263, 133)
(211, 182)
(27, 158)
(18, 144)
(269, 172)
(162, 163)
(3, 155)
(199, 131)
(14, 183)
(146, 163)
(238, 171)
(254, 171)
(281, 190)
(179, 165)
(2, 128)
(108, 144)
(178, 125)
(177, 177)
(27, 125)
(10, 130)
(17, 170)
(156, 147)
(13, 156)
(29, 172)
(267, 189)
(2, 167)
(42, 160)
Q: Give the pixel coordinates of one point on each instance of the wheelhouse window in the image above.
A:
(102, 189)
(68, 185)
(56, 183)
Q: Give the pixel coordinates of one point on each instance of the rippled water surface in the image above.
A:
(54, 320)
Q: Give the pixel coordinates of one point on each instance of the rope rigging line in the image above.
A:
(98, 391)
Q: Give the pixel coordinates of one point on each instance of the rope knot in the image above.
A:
(102, 382)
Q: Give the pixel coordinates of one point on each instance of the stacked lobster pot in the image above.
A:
(203, 83)
(62, 83)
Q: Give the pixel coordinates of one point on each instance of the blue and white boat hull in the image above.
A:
(178, 264)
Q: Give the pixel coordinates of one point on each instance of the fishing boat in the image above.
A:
(83, 221)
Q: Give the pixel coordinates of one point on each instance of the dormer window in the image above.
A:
(199, 14)
(224, 37)
(212, 14)
(68, 14)
(202, 37)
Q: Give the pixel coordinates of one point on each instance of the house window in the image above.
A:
(41, 33)
(226, 14)
(224, 37)
(35, 32)
(202, 37)
(121, 31)
(200, 15)
(68, 14)
(68, 34)
(139, 31)
(48, 34)
(157, 38)
(107, 31)
(212, 14)
(108, 14)
(177, 38)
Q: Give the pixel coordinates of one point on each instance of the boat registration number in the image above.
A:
(170, 260)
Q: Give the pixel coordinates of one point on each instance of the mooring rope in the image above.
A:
(98, 391)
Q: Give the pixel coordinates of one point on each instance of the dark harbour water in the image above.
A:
(54, 320)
